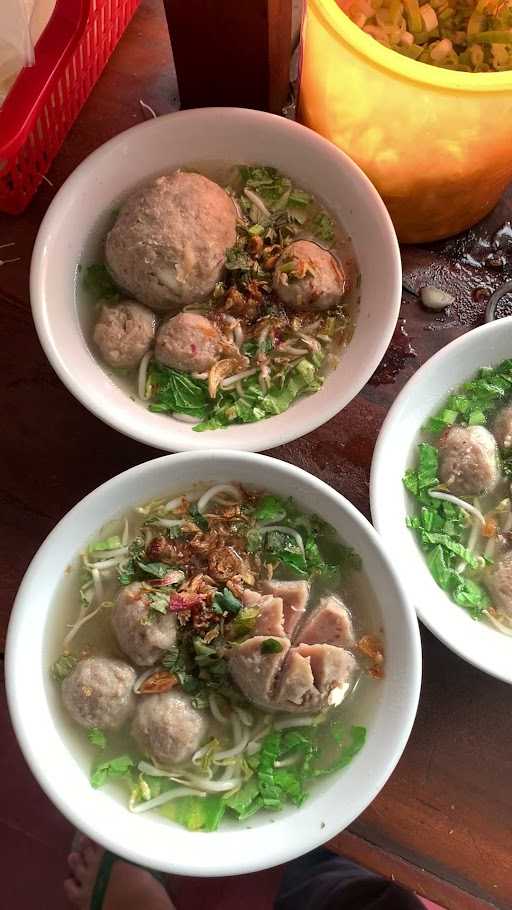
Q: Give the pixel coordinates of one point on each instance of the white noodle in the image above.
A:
(168, 522)
(499, 625)
(255, 199)
(143, 376)
(215, 710)
(295, 722)
(237, 377)
(461, 503)
(283, 529)
(176, 503)
(185, 418)
(166, 797)
(290, 349)
(213, 492)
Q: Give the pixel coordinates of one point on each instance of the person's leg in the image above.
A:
(321, 880)
(129, 887)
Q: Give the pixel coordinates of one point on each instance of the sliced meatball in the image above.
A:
(270, 619)
(294, 595)
(188, 342)
(255, 671)
(296, 687)
(124, 332)
(498, 581)
(98, 693)
(143, 634)
(468, 460)
(332, 667)
(502, 429)
(168, 728)
(308, 277)
(167, 247)
(329, 623)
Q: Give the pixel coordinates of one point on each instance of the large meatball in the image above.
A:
(307, 276)
(468, 460)
(498, 581)
(98, 693)
(124, 332)
(167, 728)
(142, 633)
(188, 342)
(503, 428)
(167, 247)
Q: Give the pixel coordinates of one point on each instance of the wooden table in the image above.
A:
(443, 822)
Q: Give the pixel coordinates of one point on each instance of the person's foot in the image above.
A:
(84, 863)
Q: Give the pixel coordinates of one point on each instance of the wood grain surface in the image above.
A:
(443, 821)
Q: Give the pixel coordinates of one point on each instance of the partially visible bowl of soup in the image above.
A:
(220, 649)
(232, 280)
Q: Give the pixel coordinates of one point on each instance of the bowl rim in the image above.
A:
(286, 430)
(240, 863)
(338, 22)
(377, 472)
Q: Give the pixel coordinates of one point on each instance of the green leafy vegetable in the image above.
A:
(270, 508)
(154, 569)
(240, 801)
(98, 282)
(97, 737)
(226, 600)
(158, 601)
(269, 754)
(108, 543)
(271, 646)
(323, 228)
(115, 768)
(177, 392)
(244, 622)
(63, 666)
(196, 813)
(425, 477)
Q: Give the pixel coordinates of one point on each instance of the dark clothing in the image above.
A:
(321, 880)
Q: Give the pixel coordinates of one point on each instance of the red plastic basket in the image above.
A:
(46, 98)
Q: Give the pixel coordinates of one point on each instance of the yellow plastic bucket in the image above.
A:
(436, 143)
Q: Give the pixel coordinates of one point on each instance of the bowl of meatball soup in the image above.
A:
(216, 278)
(225, 667)
(440, 494)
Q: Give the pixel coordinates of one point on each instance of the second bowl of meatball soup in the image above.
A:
(224, 665)
(441, 497)
(233, 280)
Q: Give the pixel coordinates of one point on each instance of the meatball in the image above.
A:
(167, 728)
(124, 332)
(498, 581)
(503, 428)
(98, 693)
(143, 634)
(188, 342)
(468, 460)
(306, 276)
(167, 247)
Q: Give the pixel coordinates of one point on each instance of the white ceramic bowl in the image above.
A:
(477, 642)
(153, 841)
(83, 209)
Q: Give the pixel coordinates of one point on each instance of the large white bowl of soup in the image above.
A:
(216, 278)
(224, 666)
(440, 494)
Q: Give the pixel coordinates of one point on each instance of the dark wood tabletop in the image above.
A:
(443, 823)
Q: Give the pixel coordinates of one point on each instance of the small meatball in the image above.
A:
(124, 332)
(329, 623)
(270, 620)
(503, 428)
(295, 595)
(255, 671)
(307, 276)
(297, 686)
(498, 581)
(188, 342)
(167, 247)
(98, 693)
(468, 460)
(167, 728)
(143, 634)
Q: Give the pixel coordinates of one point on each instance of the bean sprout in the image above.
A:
(168, 522)
(111, 554)
(471, 544)
(295, 722)
(103, 565)
(237, 377)
(98, 585)
(286, 762)
(255, 199)
(215, 710)
(461, 503)
(245, 716)
(286, 348)
(199, 375)
(185, 418)
(79, 623)
(241, 738)
(239, 389)
(213, 492)
(310, 342)
(283, 529)
(143, 376)
(204, 783)
(125, 536)
(166, 797)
